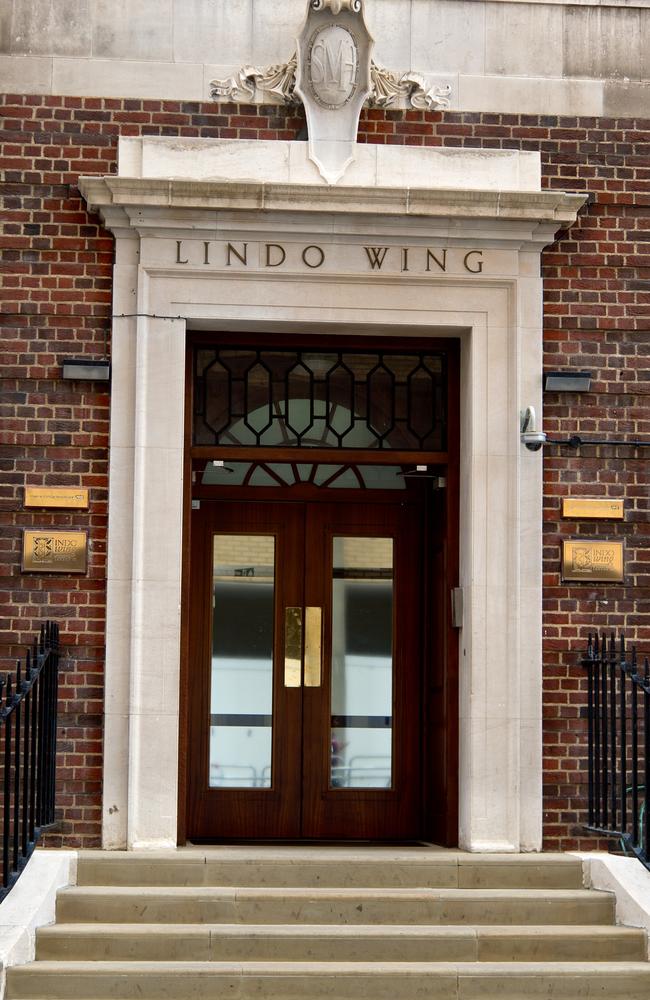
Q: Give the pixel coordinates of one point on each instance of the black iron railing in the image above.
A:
(28, 713)
(619, 744)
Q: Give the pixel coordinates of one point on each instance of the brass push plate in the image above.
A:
(292, 647)
(586, 507)
(46, 551)
(588, 560)
(56, 496)
(313, 646)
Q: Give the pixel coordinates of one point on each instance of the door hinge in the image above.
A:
(196, 505)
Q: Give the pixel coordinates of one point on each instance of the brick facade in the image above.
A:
(57, 296)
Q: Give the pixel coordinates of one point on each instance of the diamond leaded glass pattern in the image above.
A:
(267, 397)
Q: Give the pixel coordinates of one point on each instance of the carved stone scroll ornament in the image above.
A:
(336, 6)
(389, 87)
(278, 80)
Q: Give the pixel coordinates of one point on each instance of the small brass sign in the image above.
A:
(592, 561)
(586, 507)
(46, 551)
(72, 497)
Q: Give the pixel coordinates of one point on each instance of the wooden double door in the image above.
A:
(305, 679)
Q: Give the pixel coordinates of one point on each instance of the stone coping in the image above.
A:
(628, 879)
(31, 904)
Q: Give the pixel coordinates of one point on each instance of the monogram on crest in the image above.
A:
(333, 65)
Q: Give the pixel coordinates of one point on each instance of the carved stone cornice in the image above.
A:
(122, 198)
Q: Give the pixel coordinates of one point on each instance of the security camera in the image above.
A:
(532, 438)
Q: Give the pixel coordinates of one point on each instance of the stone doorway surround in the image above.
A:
(175, 206)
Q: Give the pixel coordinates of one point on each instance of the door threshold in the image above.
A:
(313, 843)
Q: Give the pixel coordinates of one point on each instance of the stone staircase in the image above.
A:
(299, 923)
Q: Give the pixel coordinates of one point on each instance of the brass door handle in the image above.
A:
(293, 654)
(292, 647)
(313, 646)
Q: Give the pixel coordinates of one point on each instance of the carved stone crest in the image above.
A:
(333, 80)
(333, 74)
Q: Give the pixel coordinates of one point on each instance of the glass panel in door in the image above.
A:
(362, 662)
(241, 691)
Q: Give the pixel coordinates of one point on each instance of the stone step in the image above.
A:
(315, 980)
(120, 904)
(332, 867)
(325, 943)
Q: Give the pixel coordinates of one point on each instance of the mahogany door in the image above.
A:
(305, 651)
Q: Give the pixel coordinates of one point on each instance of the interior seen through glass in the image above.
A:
(362, 663)
(241, 702)
(321, 474)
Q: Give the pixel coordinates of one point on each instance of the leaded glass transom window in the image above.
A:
(270, 397)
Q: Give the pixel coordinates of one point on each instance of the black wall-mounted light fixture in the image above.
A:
(567, 381)
(86, 369)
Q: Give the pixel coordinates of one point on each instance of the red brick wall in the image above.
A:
(57, 279)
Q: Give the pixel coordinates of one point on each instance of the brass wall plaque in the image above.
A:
(590, 560)
(586, 507)
(46, 551)
(72, 497)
